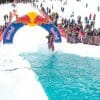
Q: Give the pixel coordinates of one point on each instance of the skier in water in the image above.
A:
(50, 41)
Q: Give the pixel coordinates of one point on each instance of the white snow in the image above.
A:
(18, 81)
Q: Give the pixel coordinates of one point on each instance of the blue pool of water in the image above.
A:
(66, 76)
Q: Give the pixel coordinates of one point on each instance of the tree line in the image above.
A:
(5, 1)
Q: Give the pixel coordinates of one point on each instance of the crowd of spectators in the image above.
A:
(77, 31)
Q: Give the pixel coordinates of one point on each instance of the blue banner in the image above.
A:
(51, 28)
(10, 32)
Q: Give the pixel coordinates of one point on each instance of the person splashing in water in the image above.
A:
(50, 41)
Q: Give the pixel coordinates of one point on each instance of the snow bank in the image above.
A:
(30, 39)
(18, 81)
